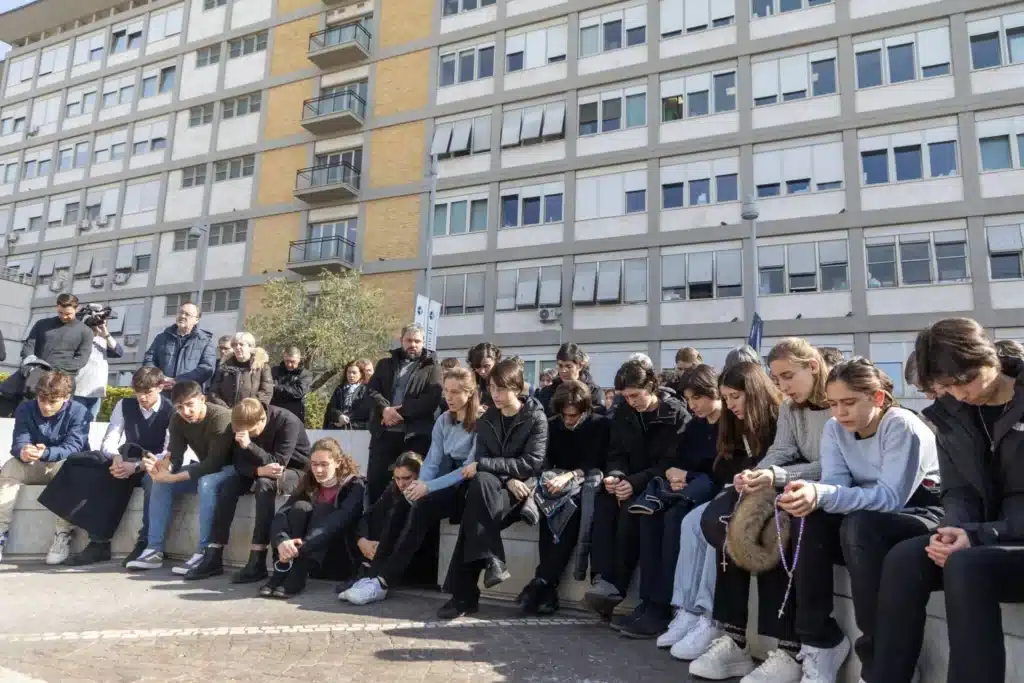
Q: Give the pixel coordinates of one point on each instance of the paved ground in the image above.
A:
(100, 625)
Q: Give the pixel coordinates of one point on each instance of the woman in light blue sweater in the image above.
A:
(438, 493)
(879, 486)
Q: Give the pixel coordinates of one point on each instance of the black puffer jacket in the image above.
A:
(583, 448)
(638, 454)
(520, 455)
(290, 389)
(545, 394)
(422, 397)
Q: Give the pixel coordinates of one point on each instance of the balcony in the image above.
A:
(342, 111)
(327, 183)
(309, 257)
(339, 45)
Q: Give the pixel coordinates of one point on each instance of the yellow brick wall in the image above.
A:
(252, 301)
(284, 109)
(402, 21)
(397, 154)
(277, 173)
(392, 229)
(270, 239)
(400, 289)
(291, 43)
(401, 83)
(289, 6)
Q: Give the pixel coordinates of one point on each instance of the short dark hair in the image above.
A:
(570, 352)
(54, 384)
(831, 355)
(183, 391)
(481, 352)
(953, 351)
(508, 374)
(147, 379)
(702, 380)
(293, 351)
(449, 363)
(688, 354)
(66, 299)
(635, 375)
(571, 394)
(1010, 348)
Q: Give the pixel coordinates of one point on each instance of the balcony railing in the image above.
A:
(322, 249)
(340, 35)
(338, 103)
(326, 176)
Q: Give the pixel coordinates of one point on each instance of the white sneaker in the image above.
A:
(681, 624)
(780, 667)
(724, 660)
(366, 591)
(60, 549)
(149, 559)
(821, 665)
(181, 570)
(698, 640)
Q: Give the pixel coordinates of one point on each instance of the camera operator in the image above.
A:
(91, 383)
(63, 341)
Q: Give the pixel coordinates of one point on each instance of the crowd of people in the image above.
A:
(698, 477)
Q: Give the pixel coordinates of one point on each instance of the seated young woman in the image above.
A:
(320, 516)
(511, 444)
(645, 432)
(407, 514)
(976, 556)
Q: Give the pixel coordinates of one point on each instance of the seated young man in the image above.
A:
(46, 431)
(269, 453)
(93, 489)
(206, 429)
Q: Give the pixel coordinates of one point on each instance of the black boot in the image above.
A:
(529, 597)
(254, 570)
(295, 581)
(622, 621)
(651, 624)
(547, 600)
(212, 564)
(277, 578)
(495, 573)
(134, 554)
(96, 551)
(455, 608)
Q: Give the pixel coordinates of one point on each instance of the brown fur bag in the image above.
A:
(752, 540)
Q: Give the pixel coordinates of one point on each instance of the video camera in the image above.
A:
(94, 315)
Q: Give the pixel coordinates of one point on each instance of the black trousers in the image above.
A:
(407, 526)
(975, 581)
(732, 590)
(659, 550)
(265, 492)
(85, 493)
(385, 448)
(555, 557)
(340, 554)
(615, 547)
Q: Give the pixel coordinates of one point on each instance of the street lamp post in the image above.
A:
(751, 213)
(430, 221)
(202, 231)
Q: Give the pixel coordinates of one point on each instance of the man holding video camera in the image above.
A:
(91, 383)
(63, 341)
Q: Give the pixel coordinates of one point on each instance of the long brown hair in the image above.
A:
(761, 410)
(953, 351)
(347, 466)
(864, 377)
(353, 364)
(799, 352)
(467, 382)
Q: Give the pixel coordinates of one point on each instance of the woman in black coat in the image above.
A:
(511, 442)
(348, 408)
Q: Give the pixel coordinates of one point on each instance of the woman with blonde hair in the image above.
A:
(246, 373)
(322, 514)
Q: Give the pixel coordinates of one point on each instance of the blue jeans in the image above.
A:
(694, 587)
(161, 500)
(92, 404)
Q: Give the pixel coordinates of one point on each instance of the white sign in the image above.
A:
(428, 316)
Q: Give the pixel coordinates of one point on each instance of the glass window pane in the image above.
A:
(789, 5)
(881, 265)
(672, 108)
(700, 191)
(510, 211)
(609, 288)
(474, 293)
(876, 167)
(834, 278)
(895, 372)
(636, 110)
(613, 35)
(942, 157)
(769, 190)
(447, 70)
(588, 118)
(797, 186)
(672, 196)
(772, 281)
(762, 8)
(636, 35)
(985, 51)
(635, 277)
(1015, 44)
(725, 92)
(995, 153)
(636, 201)
(726, 188)
(611, 115)
(908, 162)
(698, 103)
(478, 215)
(454, 293)
(486, 67)
(467, 61)
(869, 68)
(531, 211)
(823, 77)
(590, 41)
(506, 299)
(458, 218)
(553, 208)
(901, 63)
(1005, 266)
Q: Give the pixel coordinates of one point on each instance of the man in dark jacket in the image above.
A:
(291, 383)
(405, 392)
(572, 365)
(63, 341)
(183, 352)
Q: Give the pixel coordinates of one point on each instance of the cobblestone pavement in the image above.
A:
(100, 625)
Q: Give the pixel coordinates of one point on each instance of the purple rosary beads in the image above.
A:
(790, 570)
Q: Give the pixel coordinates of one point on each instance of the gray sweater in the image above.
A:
(796, 451)
(65, 346)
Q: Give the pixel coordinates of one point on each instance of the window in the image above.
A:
(917, 259)
(54, 60)
(247, 45)
(995, 153)
(531, 205)
(610, 282)
(172, 302)
(149, 137)
(702, 275)
(636, 201)
(804, 267)
(459, 294)
(611, 195)
(452, 7)
(54, 267)
(73, 156)
(80, 103)
(535, 48)
(797, 170)
(467, 65)
(165, 24)
(240, 106)
(126, 38)
(207, 56)
(916, 56)
(110, 147)
(613, 30)
(697, 95)
(1001, 143)
(934, 157)
(88, 48)
(996, 42)
(71, 213)
(794, 78)
(211, 4)
(699, 183)
(184, 240)
(533, 125)
(603, 113)
(231, 169)
(193, 176)
(694, 16)
(141, 197)
(529, 288)
(457, 217)
(231, 232)
(12, 125)
(1004, 252)
(875, 167)
(766, 8)
(221, 300)
(462, 138)
(200, 116)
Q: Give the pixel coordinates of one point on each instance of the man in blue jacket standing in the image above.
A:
(184, 351)
(46, 431)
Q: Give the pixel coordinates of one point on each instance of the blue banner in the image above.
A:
(756, 333)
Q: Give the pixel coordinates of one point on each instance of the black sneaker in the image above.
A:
(495, 573)
(294, 580)
(529, 598)
(622, 621)
(140, 546)
(650, 624)
(212, 564)
(602, 598)
(455, 608)
(548, 599)
(92, 553)
(254, 570)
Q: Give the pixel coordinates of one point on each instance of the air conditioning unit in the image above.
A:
(12, 237)
(84, 226)
(131, 340)
(122, 278)
(549, 315)
(97, 282)
(56, 285)
(102, 222)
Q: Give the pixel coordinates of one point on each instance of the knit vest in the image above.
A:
(151, 432)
